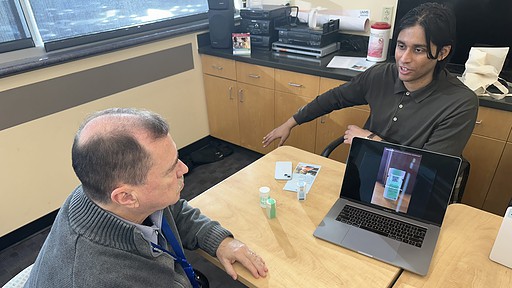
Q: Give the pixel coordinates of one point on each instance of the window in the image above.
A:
(14, 33)
(65, 23)
(60, 24)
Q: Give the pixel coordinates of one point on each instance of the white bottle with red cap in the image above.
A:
(379, 42)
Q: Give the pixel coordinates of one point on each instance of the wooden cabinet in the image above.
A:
(294, 90)
(240, 101)
(255, 90)
(302, 136)
(247, 101)
(487, 153)
(500, 192)
(256, 116)
(221, 97)
(333, 125)
(222, 105)
(483, 154)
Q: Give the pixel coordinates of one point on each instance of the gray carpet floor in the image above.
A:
(15, 258)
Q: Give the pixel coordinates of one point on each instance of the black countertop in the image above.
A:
(314, 66)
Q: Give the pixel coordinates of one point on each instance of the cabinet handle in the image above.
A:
(217, 67)
(478, 122)
(230, 91)
(241, 95)
(254, 76)
(322, 119)
(294, 84)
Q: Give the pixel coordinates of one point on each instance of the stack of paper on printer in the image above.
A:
(303, 173)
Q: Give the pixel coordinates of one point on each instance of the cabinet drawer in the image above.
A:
(254, 74)
(218, 66)
(297, 83)
(493, 123)
(327, 84)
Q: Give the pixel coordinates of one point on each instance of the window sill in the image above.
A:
(17, 62)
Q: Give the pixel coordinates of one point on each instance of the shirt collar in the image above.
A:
(423, 93)
(149, 233)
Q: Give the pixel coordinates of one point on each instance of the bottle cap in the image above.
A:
(264, 189)
(381, 25)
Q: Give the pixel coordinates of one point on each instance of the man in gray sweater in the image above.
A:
(125, 225)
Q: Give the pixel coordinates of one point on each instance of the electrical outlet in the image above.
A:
(387, 13)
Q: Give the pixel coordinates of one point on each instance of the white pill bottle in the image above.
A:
(379, 42)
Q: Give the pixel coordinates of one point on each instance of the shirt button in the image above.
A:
(400, 106)
(394, 119)
(407, 93)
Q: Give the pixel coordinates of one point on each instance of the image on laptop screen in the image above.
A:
(399, 179)
(395, 179)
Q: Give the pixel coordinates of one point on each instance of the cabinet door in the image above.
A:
(483, 153)
(222, 105)
(332, 126)
(302, 136)
(256, 116)
(500, 193)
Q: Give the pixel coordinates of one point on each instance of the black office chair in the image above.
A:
(329, 148)
(462, 179)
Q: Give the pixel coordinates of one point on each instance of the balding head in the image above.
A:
(107, 149)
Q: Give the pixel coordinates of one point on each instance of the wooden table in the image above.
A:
(461, 258)
(295, 258)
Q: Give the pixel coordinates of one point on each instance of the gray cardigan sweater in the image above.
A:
(89, 247)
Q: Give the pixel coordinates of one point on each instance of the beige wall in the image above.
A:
(35, 158)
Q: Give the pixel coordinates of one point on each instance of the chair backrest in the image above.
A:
(19, 280)
(462, 180)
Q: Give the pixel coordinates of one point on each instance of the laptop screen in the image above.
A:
(403, 180)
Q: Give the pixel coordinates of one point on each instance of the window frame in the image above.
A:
(123, 32)
(21, 24)
(36, 57)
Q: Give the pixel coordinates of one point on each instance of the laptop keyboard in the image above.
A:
(389, 227)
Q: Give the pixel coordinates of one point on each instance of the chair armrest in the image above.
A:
(329, 148)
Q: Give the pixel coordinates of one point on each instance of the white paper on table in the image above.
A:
(352, 63)
(304, 172)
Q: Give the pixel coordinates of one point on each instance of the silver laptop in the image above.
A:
(392, 203)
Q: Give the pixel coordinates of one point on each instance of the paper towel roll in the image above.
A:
(346, 23)
(353, 23)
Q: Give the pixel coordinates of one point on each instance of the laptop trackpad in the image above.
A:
(372, 244)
